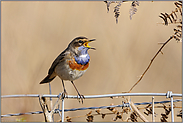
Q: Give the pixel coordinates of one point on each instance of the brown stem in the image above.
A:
(150, 63)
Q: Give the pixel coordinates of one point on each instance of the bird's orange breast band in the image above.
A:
(74, 65)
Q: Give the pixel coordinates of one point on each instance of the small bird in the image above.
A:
(71, 64)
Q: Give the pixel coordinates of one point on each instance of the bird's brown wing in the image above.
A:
(51, 75)
(57, 60)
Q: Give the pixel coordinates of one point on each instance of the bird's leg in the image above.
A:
(64, 93)
(81, 96)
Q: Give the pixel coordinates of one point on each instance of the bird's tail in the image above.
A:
(47, 79)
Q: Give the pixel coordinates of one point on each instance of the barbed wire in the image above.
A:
(100, 107)
(129, 104)
(122, 105)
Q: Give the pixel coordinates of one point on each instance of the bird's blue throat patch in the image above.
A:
(83, 58)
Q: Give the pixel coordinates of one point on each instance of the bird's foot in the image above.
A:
(64, 94)
(80, 97)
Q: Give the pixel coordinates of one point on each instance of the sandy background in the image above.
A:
(35, 33)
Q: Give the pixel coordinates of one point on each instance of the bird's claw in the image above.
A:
(80, 97)
(64, 94)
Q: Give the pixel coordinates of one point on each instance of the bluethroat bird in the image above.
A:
(71, 64)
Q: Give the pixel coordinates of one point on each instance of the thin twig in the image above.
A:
(159, 51)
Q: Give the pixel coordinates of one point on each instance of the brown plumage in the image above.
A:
(71, 64)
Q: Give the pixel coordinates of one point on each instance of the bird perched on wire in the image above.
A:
(71, 64)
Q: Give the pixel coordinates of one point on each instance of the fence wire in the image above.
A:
(85, 108)
(169, 94)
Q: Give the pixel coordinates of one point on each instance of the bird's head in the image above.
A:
(81, 44)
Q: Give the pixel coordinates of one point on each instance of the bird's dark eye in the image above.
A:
(80, 41)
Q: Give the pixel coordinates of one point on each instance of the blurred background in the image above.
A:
(35, 33)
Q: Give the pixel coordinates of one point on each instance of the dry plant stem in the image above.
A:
(141, 116)
(159, 51)
(91, 114)
(48, 114)
(111, 113)
(44, 106)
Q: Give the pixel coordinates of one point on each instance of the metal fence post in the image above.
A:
(172, 111)
(169, 95)
(153, 120)
(63, 110)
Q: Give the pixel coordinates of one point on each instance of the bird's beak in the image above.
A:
(86, 44)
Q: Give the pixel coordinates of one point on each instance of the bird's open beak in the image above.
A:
(86, 44)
